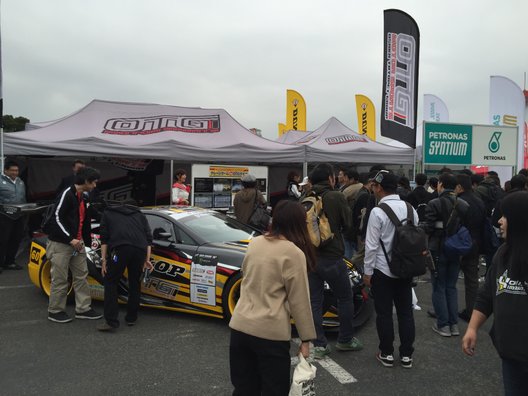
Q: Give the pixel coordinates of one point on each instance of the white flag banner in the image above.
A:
(507, 108)
(434, 109)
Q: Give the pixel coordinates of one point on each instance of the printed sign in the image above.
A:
(203, 294)
(203, 279)
(461, 144)
(494, 145)
(227, 171)
(447, 144)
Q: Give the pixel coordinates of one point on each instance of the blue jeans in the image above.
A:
(350, 247)
(335, 273)
(514, 377)
(445, 297)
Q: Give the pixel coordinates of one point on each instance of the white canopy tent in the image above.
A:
(290, 137)
(335, 142)
(139, 130)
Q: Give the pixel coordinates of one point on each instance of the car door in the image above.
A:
(172, 253)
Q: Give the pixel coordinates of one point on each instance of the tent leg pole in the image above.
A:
(305, 169)
(2, 148)
(170, 182)
(414, 165)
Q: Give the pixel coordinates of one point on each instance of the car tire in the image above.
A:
(45, 278)
(231, 295)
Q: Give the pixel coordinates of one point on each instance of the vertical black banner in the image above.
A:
(400, 77)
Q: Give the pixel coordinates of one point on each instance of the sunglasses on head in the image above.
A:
(379, 176)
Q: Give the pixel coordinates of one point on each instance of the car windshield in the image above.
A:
(216, 227)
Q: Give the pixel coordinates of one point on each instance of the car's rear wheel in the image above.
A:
(231, 295)
(45, 278)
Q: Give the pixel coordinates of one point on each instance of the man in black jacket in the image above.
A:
(443, 218)
(475, 222)
(69, 232)
(125, 243)
(419, 197)
(330, 266)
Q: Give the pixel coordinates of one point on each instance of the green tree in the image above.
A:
(14, 124)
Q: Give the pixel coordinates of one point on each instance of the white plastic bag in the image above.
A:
(303, 378)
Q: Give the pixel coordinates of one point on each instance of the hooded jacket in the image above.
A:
(244, 203)
(125, 225)
(339, 216)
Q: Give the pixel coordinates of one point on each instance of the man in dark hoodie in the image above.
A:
(330, 266)
(125, 243)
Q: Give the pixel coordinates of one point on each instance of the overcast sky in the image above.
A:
(242, 56)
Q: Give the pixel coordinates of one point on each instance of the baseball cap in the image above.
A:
(386, 179)
(304, 182)
(248, 178)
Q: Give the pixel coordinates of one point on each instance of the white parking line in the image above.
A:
(334, 369)
(15, 287)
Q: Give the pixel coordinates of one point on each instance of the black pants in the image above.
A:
(11, 234)
(470, 266)
(259, 366)
(386, 292)
(132, 258)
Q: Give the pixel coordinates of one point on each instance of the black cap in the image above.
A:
(387, 180)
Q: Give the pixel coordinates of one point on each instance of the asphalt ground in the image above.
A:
(170, 353)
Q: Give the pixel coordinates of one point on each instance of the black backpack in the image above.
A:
(409, 246)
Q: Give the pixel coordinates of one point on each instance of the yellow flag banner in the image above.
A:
(282, 129)
(295, 111)
(366, 116)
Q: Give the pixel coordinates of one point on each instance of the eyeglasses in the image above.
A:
(379, 176)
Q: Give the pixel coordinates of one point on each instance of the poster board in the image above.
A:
(215, 186)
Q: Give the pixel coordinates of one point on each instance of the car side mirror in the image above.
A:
(163, 235)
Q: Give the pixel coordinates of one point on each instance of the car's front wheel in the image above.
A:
(231, 295)
(45, 278)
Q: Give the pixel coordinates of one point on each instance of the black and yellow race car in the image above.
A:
(197, 255)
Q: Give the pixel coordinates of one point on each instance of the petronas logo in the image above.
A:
(494, 144)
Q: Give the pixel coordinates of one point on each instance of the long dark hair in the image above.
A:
(289, 221)
(515, 209)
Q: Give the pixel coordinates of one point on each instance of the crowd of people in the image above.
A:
(441, 206)
(290, 282)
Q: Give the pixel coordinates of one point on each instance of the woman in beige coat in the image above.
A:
(274, 290)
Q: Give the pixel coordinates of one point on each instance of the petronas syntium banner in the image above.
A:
(463, 144)
(400, 77)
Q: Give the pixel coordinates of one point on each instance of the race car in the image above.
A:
(197, 255)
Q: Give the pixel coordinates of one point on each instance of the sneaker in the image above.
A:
(353, 345)
(444, 331)
(90, 314)
(321, 352)
(454, 330)
(59, 317)
(106, 327)
(406, 362)
(386, 360)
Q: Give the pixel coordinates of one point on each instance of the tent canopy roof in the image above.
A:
(140, 130)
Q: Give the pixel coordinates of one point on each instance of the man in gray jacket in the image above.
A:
(12, 191)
